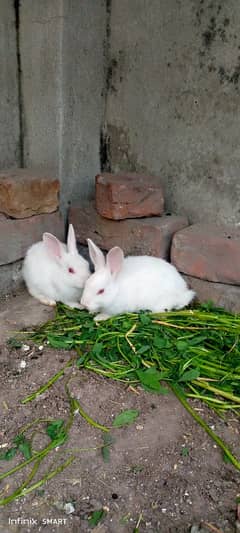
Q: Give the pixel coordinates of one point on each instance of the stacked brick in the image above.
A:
(209, 256)
(129, 212)
(29, 204)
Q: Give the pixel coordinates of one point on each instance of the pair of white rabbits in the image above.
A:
(55, 272)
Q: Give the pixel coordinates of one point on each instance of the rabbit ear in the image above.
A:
(71, 240)
(115, 258)
(52, 245)
(96, 255)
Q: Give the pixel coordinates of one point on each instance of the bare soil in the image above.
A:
(163, 468)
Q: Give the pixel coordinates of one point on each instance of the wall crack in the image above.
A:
(17, 6)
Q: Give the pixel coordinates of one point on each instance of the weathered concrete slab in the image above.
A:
(173, 101)
(20, 312)
(9, 110)
(10, 277)
(63, 75)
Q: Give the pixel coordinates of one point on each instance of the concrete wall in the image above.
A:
(173, 100)
(40, 31)
(83, 80)
(9, 110)
(163, 75)
(61, 44)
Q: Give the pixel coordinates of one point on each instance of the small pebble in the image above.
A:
(25, 348)
(69, 508)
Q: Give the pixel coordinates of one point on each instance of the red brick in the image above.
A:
(24, 192)
(209, 252)
(149, 236)
(222, 295)
(120, 196)
(17, 235)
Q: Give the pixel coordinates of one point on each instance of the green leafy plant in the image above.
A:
(193, 352)
(96, 517)
(125, 418)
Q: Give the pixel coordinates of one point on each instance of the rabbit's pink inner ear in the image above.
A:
(115, 259)
(96, 255)
(71, 240)
(53, 245)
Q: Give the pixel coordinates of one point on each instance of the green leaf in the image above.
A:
(143, 349)
(189, 375)
(9, 454)
(40, 492)
(159, 342)
(125, 418)
(12, 342)
(81, 360)
(226, 458)
(23, 445)
(185, 451)
(136, 469)
(150, 380)
(97, 348)
(56, 431)
(25, 448)
(145, 319)
(59, 342)
(198, 339)
(182, 346)
(108, 440)
(96, 517)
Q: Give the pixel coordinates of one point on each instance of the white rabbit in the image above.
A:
(121, 285)
(54, 271)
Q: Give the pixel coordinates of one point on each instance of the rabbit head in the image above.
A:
(101, 287)
(73, 267)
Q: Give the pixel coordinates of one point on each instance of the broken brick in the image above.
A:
(145, 236)
(17, 235)
(120, 196)
(24, 192)
(209, 252)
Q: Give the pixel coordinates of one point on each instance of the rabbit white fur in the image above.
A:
(54, 271)
(131, 284)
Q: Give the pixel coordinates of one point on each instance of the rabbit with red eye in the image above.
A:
(131, 284)
(55, 272)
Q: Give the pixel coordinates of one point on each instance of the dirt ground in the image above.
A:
(164, 471)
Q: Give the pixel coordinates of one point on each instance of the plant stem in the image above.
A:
(181, 397)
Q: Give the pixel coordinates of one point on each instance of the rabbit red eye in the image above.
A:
(101, 291)
(71, 270)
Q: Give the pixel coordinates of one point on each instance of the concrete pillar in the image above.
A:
(62, 45)
(9, 112)
(40, 49)
(83, 60)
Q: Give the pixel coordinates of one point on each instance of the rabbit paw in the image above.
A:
(101, 316)
(74, 305)
(45, 301)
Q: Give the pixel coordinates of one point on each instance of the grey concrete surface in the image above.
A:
(9, 110)
(21, 311)
(61, 45)
(83, 71)
(173, 101)
(40, 32)
(10, 277)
